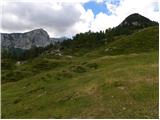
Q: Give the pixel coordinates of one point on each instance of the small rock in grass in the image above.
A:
(124, 108)
(121, 87)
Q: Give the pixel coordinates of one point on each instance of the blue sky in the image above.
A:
(98, 7)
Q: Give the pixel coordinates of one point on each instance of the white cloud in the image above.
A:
(61, 18)
(58, 18)
(99, 1)
(103, 21)
(147, 8)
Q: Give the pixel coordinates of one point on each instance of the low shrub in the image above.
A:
(78, 69)
(46, 65)
(92, 65)
(63, 75)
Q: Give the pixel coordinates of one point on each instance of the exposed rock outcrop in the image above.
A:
(38, 38)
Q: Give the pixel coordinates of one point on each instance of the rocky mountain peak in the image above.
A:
(37, 37)
(137, 20)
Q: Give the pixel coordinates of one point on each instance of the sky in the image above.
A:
(69, 17)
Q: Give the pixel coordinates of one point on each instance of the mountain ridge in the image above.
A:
(27, 40)
(37, 37)
(137, 20)
(40, 38)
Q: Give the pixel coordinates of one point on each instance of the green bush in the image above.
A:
(15, 75)
(46, 65)
(7, 64)
(63, 75)
(118, 83)
(78, 69)
(92, 65)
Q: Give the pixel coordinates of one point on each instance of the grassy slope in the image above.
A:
(141, 41)
(123, 86)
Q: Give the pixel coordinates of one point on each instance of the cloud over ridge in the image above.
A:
(69, 18)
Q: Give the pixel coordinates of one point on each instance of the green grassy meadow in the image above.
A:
(89, 86)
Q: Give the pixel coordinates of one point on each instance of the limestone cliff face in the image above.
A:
(38, 38)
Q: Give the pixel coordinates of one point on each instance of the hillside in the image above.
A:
(94, 85)
(144, 40)
(94, 75)
(124, 86)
